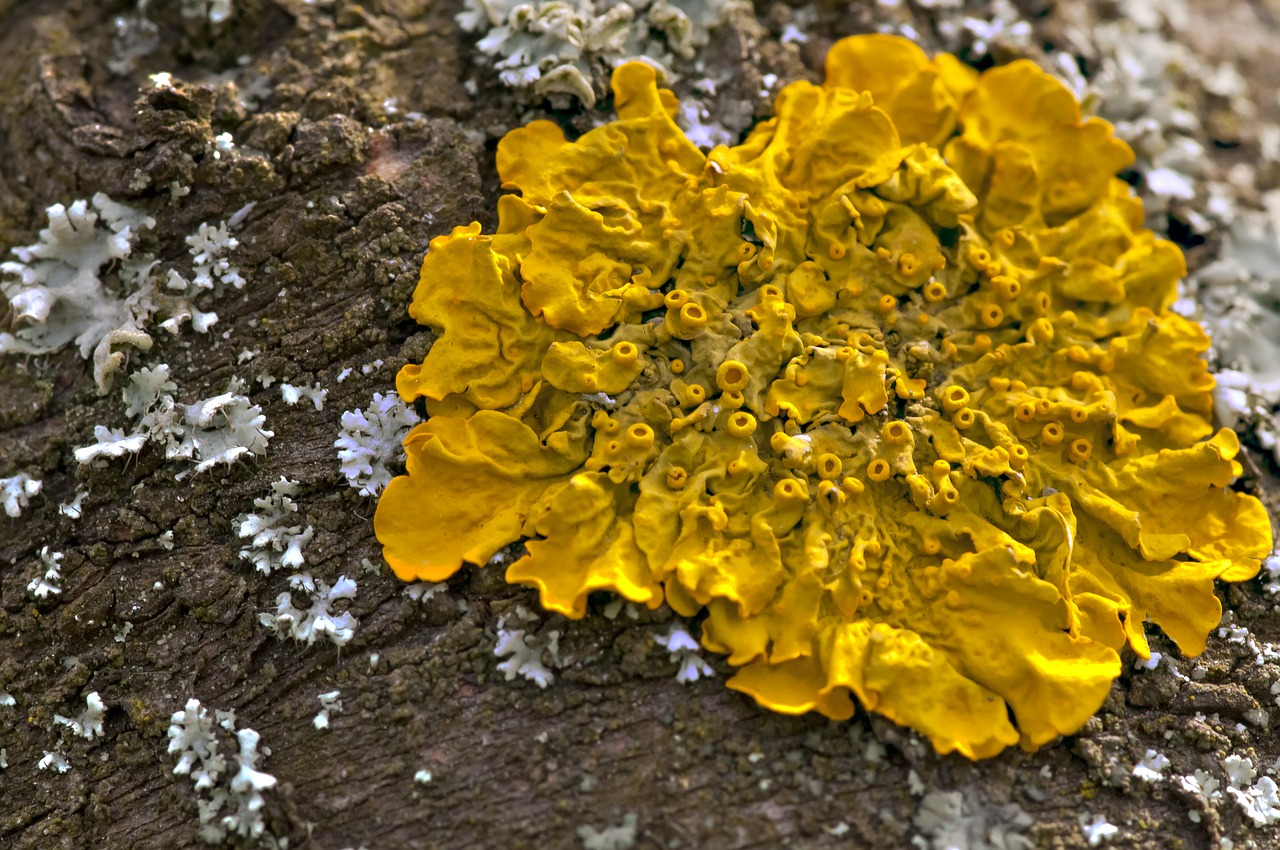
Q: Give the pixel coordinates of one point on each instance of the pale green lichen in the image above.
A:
(565, 49)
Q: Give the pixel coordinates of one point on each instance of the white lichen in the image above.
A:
(1150, 663)
(1096, 830)
(17, 491)
(422, 591)
(47, 582)
(222, 430)
(55, 761)
(1203, 784)
(999, 26)
(276, 541)
(209, 265)
(329, 702)
(75, 508)
(562, 50)
(686, 651)
(1259, 800)
(193, 739)
(111, 443)
(372, 441)
(523, 651)
(1271, 576)
(87, 724)
(620, 837)
(1239, 296)
(247, 786)
(1150, 768)
(947, 820)
(229, 804)
(694, 118)
(216, 12)
(1244, 643)
(292, 395)
(319, 620)
(57, 291)
(84, 282)
(217, 430)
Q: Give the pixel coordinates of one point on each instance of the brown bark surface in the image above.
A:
(349, 191)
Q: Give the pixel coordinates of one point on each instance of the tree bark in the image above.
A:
(358, 141)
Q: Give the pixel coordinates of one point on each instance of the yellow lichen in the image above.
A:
(891, 391)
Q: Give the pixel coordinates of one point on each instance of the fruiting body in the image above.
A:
(923, 429)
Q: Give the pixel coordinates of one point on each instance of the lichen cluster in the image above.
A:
(890, 393)
(562, 50)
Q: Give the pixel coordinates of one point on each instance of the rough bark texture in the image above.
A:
(348, 194)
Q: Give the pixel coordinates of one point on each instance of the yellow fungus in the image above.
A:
(741, 424)
(829, 466)
(575, 368)
(911, 388)
(830, 490)
(732, 376)
(954, 398)
(790, 490)
(1040, 331)
(625, 353)
(1006, 287)
(895, 433)
(946, 498)
(640, 436)
(990, 195)
(687, 320)
(1079, 450)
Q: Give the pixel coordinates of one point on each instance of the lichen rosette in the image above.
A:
(890, 393)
